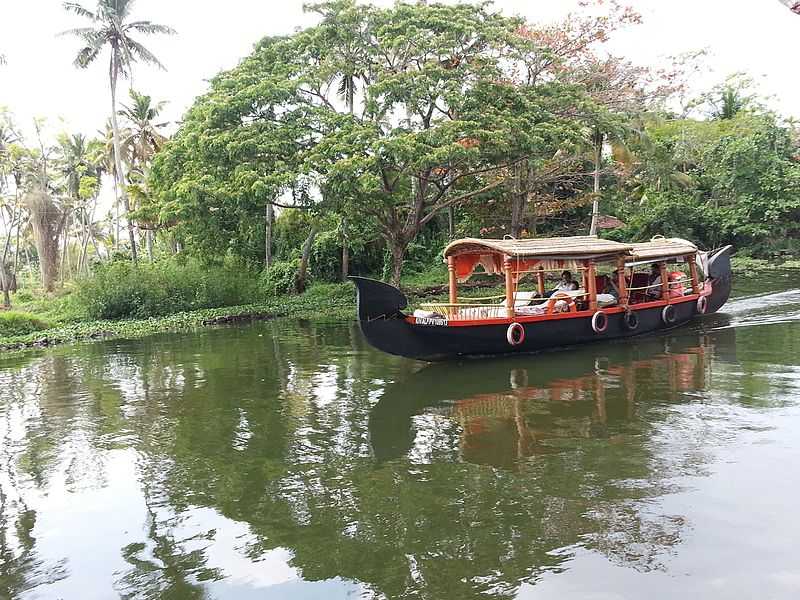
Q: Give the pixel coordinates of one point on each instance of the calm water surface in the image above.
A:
(289, 460)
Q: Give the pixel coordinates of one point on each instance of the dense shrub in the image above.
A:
(279, 278)
(120, 290)
(19, 323)
(326, 256)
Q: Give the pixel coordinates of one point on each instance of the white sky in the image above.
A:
(756, 36)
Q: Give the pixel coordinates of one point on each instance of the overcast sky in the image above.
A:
(756, 36)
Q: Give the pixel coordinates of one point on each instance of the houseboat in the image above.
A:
(607, 290)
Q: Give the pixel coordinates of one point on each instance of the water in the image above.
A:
(289, 460)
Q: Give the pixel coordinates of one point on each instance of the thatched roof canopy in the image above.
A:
(662, 248)
(566, 247)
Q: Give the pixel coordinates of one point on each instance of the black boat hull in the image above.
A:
(386, 327)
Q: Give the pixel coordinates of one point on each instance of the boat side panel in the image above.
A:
(432, 342)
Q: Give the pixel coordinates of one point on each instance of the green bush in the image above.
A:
(23, 296)
(326, 256)
(119, 290)
(14, 323)
(279, 278)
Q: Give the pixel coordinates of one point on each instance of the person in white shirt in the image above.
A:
(567, 283)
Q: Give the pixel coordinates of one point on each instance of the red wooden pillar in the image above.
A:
(451, 268)
(590, 275)
(693, 271)
(622, 284)
(664, 281)
(540, 281)
(507, 266)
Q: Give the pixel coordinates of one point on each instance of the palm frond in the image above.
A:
(123, 8)
(86, 56)
(143, 54)
(148, 27)
(81, 32)
(79, 10)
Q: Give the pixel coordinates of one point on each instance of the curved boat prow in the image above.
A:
(378, 300)
(719, 270)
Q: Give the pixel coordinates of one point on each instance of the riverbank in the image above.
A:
(333, 302)
(322, 302)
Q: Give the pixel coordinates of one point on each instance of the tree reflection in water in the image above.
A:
(449, 481)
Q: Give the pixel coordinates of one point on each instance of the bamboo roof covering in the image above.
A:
(577, 246)
(662, 248)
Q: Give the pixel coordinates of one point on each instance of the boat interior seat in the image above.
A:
(604, 300)
(522, 299)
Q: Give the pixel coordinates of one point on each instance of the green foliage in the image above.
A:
(13, 323)
(119, 290)
(436, 124)
(730, 181)
(326, 256)
(279, 278)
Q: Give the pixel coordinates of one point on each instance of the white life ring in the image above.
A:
(702, 304)
(599, 321)
(668, 315)
(515, 334)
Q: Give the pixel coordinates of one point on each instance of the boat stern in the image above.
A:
(719, 271)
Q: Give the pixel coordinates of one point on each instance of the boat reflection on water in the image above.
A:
(510, 410)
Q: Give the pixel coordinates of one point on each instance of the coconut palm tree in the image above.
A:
(144, 135)
(144, 139)
(108, 161)
(111, 27)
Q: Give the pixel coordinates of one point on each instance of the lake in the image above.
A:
(288, 459)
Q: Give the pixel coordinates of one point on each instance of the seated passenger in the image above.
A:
(612, 286)
(654, 281)
(566, 284)
(676, 289)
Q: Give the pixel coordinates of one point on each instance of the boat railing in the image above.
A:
(467, 311)
(479, 308)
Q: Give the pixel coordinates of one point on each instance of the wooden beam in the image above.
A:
(509, 287)
(693, 271)
(453, 283)
(540, 281)
(590, 275)
(622, 284)
(664, 282)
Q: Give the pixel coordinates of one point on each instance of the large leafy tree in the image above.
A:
(437, 121)
(112, 27)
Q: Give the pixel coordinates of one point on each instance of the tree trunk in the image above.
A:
(148, 236)
(451, 222)
(47, 222)
(65, 250)
(268, 217)
(345, 251)
(300, 280)
(398, 250)
(519, 197)
(116, 215)
(117, 154)
(598, 151)
(6, 274)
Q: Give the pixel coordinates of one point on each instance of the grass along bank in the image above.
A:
(321, 302)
